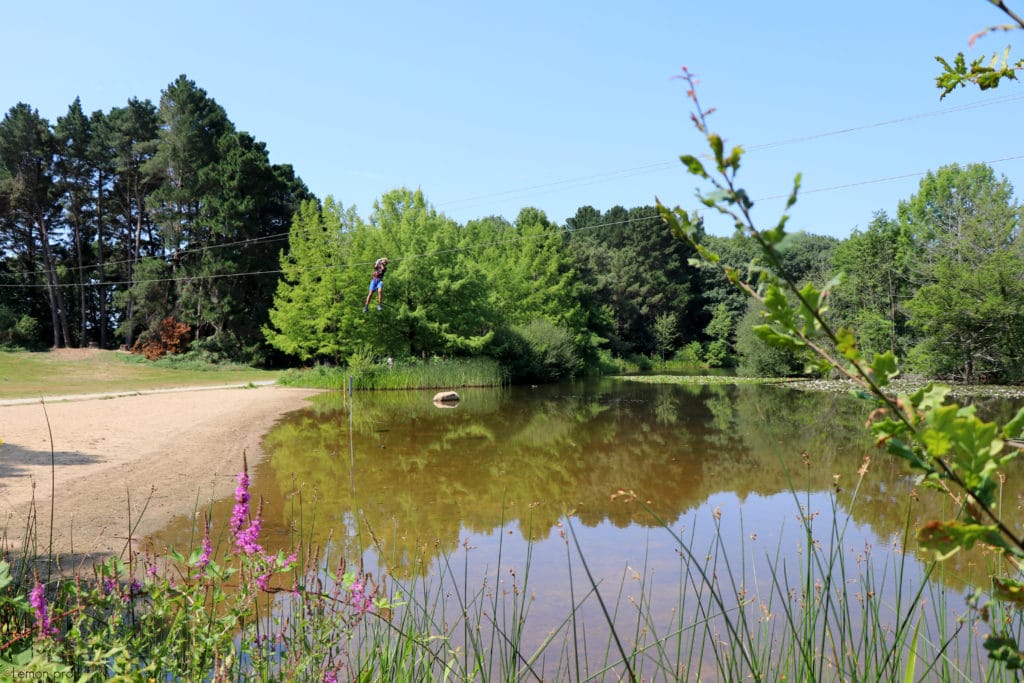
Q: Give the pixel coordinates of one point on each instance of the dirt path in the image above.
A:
(172, 448)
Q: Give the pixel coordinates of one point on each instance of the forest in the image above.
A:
(161, 228)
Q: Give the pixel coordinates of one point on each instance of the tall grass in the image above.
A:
(832, 615)
(226, 609)
(434, 373)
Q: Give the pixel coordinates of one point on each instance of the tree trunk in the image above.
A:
(57, 312)
(84, 327)
(99, 256)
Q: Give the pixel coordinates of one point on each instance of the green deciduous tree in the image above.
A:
(316, 306)
(968, 308)
(435, 292)
(876, 282)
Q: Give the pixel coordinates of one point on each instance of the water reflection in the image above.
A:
(402, 483)
(417, 475)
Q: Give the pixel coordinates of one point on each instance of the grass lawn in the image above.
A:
(85, 371)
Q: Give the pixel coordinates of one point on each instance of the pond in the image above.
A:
(638, 493)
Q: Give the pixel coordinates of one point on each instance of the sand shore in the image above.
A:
(113, 457)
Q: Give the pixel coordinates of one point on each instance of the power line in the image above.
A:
(579, 181)
(918, 174)
(647, 168)
(359, 264)
(555, 186)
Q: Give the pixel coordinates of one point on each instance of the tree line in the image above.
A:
(163, 224)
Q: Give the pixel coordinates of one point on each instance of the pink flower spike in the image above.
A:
(37, 598)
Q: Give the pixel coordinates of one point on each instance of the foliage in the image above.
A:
(635, 273)
(222, 612)
(539, 351)
(968, 307)
(17, 332)
(946, 445)
(368, 372)
(984, 72)
(172, 337)
(877, 274)
(758, 358)
(88, 199)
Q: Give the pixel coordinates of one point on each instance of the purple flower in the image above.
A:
(245, 539)
(241, 510)
(204, 559)
(330, 677)
(263, 581)
(361, 602)
(37, 598)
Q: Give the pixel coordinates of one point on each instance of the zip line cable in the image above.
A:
(466, 248)
(638, 170)
(359, 264)
(554, 187)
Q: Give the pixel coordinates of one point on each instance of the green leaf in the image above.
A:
(1014, 429)
(693, 165)
(909, 675)
(1009, 590)
(846, 344)
(945, 539)
(884, 368)
(1004, 649)
(717, 146)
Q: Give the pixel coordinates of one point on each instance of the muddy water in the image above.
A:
(532, 488)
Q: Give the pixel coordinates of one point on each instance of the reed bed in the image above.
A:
(433, 373)
(221, 612)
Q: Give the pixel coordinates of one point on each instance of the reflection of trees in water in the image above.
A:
(418, 475)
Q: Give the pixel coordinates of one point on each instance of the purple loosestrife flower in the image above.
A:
(37, 598)
(241, 510)
(330, 677)
(245, 539)
(361, 602)
(204, 559)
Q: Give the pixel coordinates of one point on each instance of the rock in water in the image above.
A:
(445, 398)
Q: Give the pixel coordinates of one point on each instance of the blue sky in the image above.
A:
(491, 107)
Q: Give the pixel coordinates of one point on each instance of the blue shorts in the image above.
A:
(375, 284)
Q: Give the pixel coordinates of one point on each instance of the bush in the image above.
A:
(539, 351)
(717, 354)
(758, 359)
(18, 332)
(171, 337)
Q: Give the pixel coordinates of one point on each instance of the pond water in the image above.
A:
(532, 488)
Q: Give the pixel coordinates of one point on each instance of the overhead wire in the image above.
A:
(556, 186)
(346, 266)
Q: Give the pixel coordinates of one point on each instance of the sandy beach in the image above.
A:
(114, 457)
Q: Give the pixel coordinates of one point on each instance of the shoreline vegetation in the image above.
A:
(839, 386)
(71, 372)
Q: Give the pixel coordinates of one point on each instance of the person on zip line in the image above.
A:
(376, 283)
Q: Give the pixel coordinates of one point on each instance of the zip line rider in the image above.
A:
(376, 283)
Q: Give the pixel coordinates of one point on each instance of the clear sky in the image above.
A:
(490, 107)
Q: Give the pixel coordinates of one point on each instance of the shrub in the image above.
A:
(757, 358)
(539, 351)
(171, 337)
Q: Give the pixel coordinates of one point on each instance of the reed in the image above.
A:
(434, 373)
(226, 609)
